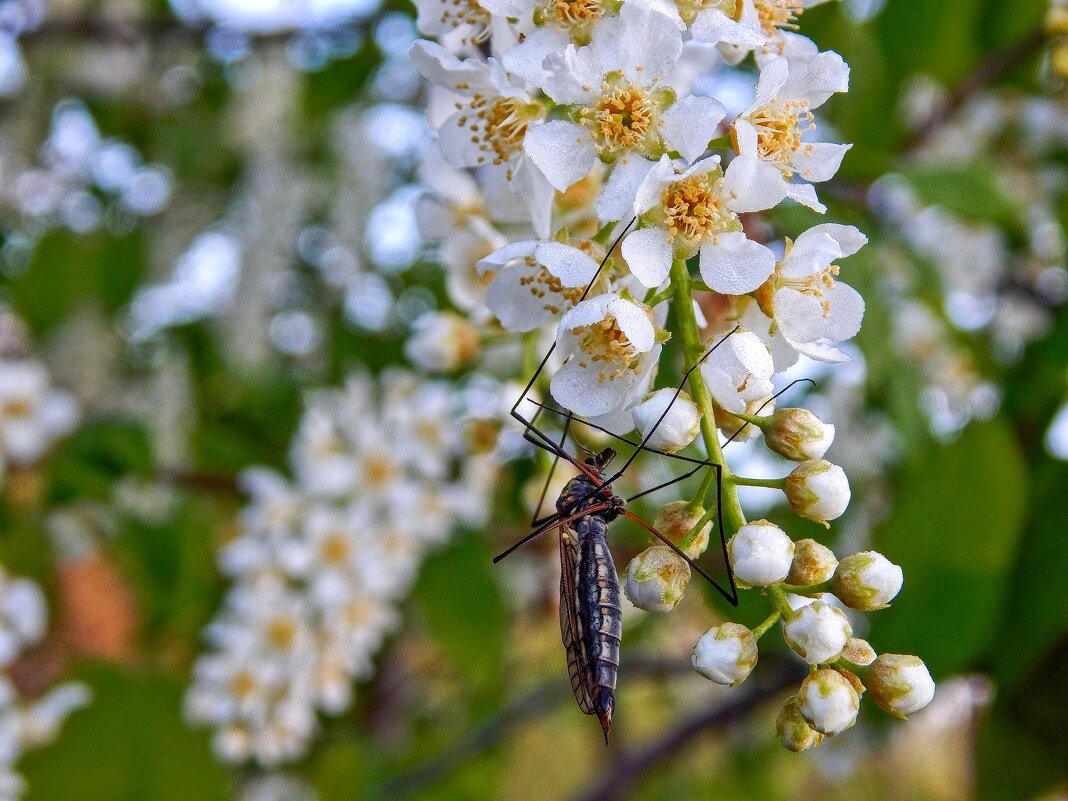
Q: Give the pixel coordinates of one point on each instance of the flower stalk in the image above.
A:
(693, 350)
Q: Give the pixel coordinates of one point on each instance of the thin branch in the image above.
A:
(489, 734)
(619, 777)
(989, 70)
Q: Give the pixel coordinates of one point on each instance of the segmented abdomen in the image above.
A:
(598, 602)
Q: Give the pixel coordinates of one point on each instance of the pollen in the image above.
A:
(457, 13)
(545, 286)
(779, 127)
(776, 15)
(622, 118)
(497, 126)
(604, 344)
(335, 549)
(695, 209)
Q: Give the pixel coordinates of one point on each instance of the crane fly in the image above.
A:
(591, 623)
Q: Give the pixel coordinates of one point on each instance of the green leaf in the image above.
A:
(130, 744)
(458, 600)
(91, 461)
(971, 191)
(954, 532)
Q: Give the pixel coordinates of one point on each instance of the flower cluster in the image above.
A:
(565, 128)
(321, 562)
(26, 724)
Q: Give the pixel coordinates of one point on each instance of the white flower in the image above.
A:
(828, 701)
(725, 654)
(804, 302)
(490, 123)
(657, 579)
(818, 490)
(793, 730)
(677, 420)
(535, 281)
(797, 434)
(900, 684)
(867, 581)
(761, 553)
(775, 21)
(773, 128)
(23, 616)
(697, 211)
(818, 632)
(441, 342)
(610, 346)
(622, 106)
(813, 563)
(712, 22)
(32, 413)
(738, 371)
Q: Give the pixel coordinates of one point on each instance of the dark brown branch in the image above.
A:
(491, 733)
(989, 70)
(619, 777)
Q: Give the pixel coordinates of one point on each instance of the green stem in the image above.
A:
(770, 483)
(778, 599)
(769, 621)
(693, 349)
(810, 589)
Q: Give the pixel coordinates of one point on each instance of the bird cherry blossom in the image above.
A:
(774, 126)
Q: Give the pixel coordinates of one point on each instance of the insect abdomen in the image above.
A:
(599, 607)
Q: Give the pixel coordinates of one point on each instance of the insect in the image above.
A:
(590, 609)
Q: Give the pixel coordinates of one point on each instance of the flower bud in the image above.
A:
(818, 490)
(725, 654)
(813, 563)
(680, 424)
(859, 651)
(657, 579)
(798, 435)
(900, 684)
(441, 342)
(828, 701)
(867, 581)
(731, 425)
(761, 553)
(676, 520)
(793, 730)
(818, 632)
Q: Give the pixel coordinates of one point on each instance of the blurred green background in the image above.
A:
(255, 128)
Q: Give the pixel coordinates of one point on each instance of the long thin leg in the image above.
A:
(731, 596)
(536, 519)
(528, 425)
(542, 529)
(792, 384)
(678, 391)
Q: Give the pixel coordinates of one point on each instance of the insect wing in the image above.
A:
(578, 669)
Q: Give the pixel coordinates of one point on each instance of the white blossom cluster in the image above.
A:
(564, 125)
(321, 561)
(993, 284)
(585, 115)
(79, 176)
(26, 724)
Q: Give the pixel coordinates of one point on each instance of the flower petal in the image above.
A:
(648, 253)
(817, 78)
(734, 264)
(752, 185)
(773, 76)
(527, 58)
(562, 151)
(634, 322)
(689, 124)
(617, 196)
(819, 161)
(572, 266)
(847, 312)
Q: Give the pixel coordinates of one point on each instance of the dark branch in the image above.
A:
(989, 70)
(621, 775)
(492, 732)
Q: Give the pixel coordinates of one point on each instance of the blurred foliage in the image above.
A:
(978, 524)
